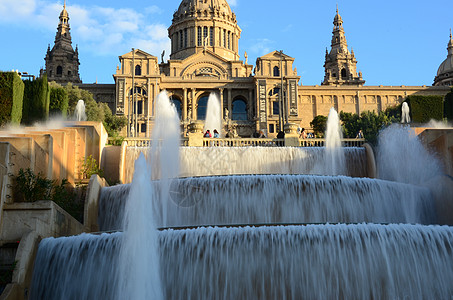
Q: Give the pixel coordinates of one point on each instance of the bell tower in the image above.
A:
(62, 62)
(341, 64)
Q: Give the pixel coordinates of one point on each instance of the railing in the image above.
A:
(248, 142)
(322, 142)
(243, 142)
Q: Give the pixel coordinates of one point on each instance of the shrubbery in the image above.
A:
(425, 108)
(30, 187)
(36, 100)
(11, 98)
(448, 106)
(59, 101)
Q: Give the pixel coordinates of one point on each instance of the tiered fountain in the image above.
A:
(285, 236)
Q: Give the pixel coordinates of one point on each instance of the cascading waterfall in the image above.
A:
(250, 256)
(401, 157)
(213, 115)
(277, 199)
(204, 161)
(362, 261)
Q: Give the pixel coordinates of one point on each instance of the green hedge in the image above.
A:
(425, 108)
(59, 101)
(448, 106)
(36, 100)
(11, 98)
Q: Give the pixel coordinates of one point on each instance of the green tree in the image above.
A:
(319, 125)
(112, 123)
(11, 98)
(350, 124)
(93, 111)
(59, 101)
(36, 100)
(448, 106)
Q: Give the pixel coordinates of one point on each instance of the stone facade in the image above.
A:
(62, 62)
(264, 96)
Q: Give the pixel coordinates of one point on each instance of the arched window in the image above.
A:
(199, 36)
(138, 90)
(239, 110)
(178, 105)
(138, 70)
(344, 75)
(59, 70)
(276, 71)
(202, 107)
(274, 96)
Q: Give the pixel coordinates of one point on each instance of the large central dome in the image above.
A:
(187, 6)
(204, 24)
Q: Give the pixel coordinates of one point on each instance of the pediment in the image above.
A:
(276, 55)
(139, 54)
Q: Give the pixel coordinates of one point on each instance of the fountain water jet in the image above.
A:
(405, 116)
(79, 112)
(213, 115)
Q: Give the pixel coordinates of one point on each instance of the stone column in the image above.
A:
(194, 106)
(221, 103)
(184, 108)
(251, 108)
(230, 103)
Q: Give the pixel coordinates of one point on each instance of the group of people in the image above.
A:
(209, 135)
(304, 135)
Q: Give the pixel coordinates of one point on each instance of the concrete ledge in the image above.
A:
(22, 276)
(44, 217)
(370, 161)
(92, 203)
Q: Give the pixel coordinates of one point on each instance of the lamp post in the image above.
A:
(282, 110)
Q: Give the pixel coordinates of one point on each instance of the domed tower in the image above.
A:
(445, 71)
(204, 24)
(62, 62)
(341, 64)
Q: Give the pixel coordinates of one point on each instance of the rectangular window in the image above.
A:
(211, 36)
(275, 107)
(224, 38)
(199, 36)
(181, 40)
(143, 127)
(229, 41)
(271, 128)
(205, 34)
(185, 37)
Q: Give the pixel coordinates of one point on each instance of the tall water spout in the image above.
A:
(334, 156)
(139, 262)
(213, 114)
(405, 117)
(79, 112)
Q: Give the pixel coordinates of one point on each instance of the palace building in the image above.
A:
(205, 59)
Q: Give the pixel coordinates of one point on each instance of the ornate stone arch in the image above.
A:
(204, 68)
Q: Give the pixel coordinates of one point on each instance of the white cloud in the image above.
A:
(233, 2)
(16, 10)
(96, 29)
(261, 46)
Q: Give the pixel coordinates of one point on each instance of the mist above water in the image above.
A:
(79, 112)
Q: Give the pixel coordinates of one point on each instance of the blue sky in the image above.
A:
(395, 42)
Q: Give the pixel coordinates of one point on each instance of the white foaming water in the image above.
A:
(207, 161)
(213, 115)
(405, 113)
(401, 157)
(79, 113)
(287, 199)
(334, 160)
(363, 261)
